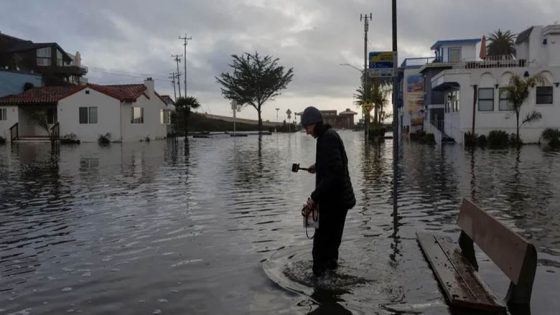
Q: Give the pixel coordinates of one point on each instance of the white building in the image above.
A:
(126, 112)
(459, 85)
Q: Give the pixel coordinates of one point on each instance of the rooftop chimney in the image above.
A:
(149, 83)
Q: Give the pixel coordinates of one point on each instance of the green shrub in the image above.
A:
(377, 132)
(429, 138)
(104, 139)
(513, 140)
(552, 136)
(417, 136)
(69, 139)
(482, 141)
(498, 139)
(470, 139)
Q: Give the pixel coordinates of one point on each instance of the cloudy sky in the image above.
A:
(124, 41)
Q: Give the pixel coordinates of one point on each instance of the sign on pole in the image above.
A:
(380, 64)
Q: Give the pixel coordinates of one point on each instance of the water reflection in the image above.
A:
(35, 211)
(185, 222)
(328, 302)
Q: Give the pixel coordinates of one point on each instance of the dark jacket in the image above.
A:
(333, 187)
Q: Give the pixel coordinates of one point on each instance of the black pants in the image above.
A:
(327, 238)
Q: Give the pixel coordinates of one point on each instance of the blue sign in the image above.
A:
(381, 64)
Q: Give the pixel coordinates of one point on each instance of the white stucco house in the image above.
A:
(415, 92)
(130, 112)
(466, 92)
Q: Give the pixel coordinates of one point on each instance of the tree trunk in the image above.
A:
(517, 127)
(376, 115)
(260, 119)
(185, 122)
(517, 119)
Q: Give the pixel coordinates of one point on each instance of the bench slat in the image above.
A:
(460, 283)
(506, 248)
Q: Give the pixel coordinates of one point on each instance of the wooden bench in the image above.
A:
(456, 267)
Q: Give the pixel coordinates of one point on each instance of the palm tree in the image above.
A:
(517, 92)
(501, 43)
(184, 105)
(376, 95)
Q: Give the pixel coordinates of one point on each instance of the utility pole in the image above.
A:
(172, 77)
(366, 20)
(177, 59)
(185, 39)
(396, 134)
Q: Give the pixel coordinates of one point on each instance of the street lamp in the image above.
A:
(351, 66)
(362, 71)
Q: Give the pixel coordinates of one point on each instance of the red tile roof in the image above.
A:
(124, 93)
(51, 95)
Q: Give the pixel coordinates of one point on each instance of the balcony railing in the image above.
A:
(55, 132)
(14, 132)
(503, 61)
(65, 70)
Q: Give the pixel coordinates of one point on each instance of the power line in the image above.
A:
(127, 73)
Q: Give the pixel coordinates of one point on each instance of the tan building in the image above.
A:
(344, 120)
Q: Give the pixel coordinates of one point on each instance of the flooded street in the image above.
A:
(161, 228)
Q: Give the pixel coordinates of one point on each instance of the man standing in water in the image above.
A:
(333, 194)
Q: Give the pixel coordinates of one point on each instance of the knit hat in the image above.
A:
(311, 115)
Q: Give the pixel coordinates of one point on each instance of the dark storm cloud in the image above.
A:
(123, 41)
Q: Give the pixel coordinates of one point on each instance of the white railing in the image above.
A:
(502, 61)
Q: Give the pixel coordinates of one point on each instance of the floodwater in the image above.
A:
(160, 228)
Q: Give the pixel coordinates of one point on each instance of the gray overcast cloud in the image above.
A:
(124, 41)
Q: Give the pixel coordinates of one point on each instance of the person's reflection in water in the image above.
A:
(328, 302)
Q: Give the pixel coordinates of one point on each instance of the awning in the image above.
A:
(445, 86)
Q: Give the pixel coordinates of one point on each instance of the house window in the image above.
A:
(3, 114)
(544, 94)
(454, 54)
(453, 103)
(505, 104)
(44, 56)
(486, 99)
(165, 117)
(88, 115)
(137, 115)
(59, 61)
